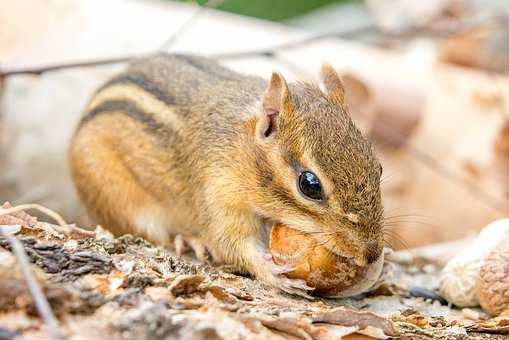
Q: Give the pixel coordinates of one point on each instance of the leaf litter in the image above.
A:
(99, 286)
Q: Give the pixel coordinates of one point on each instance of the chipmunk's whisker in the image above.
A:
(401, 243)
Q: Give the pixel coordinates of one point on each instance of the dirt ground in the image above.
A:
(102, 287)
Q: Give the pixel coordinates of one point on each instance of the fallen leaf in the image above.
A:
(185, 284)
(108, 285)
(220, 293)
(287, 326)
(362, 319)
(158, 293)
(495, 325)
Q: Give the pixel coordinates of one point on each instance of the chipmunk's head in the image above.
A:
(315, 170)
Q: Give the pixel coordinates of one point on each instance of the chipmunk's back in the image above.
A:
(157, 123)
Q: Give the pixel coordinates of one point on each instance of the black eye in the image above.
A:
(309, 186)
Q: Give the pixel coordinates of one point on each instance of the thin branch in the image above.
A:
(472, 188)
(73, 231)
(184, 27)
(350, 33)
(298, 43)
(118, 60)
(478, 192)
(42, 69)
(54, 215)
(270, 51)
(43, 307)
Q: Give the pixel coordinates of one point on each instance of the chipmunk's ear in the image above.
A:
(332, 83)
(275, 100)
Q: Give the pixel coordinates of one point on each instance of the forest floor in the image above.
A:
(102, 287)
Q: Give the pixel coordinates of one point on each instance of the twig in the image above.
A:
(69, 230)
(270, 51)
(265, 51)
(124, 59)
(184, 27)
(73, 231)
(54, 215)
(42, 69)
(427, 160)
(472, 188)
(43, 307)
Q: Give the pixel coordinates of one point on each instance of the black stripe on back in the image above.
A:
(143, 83)
(128, 108)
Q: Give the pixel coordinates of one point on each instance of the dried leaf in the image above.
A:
(108, 285)
(349, 317)
(185, 284)
(29, 221)
(241, 295)
(220, 293)
(496, 325)
(287, 326)
(158, 293)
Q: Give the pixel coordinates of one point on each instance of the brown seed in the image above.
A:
(328, 273)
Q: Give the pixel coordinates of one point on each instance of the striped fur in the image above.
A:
(172, 146)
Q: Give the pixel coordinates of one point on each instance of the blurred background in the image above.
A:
(274, 10)
(426, 81)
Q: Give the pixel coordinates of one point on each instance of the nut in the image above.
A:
(331, 275)
(459, 276)
(492, 288)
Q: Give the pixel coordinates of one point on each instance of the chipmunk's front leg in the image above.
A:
(260, 263)
(242, 245)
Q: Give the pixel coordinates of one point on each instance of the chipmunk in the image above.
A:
(180, 145)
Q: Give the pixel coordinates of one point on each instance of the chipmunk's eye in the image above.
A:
(309, 186)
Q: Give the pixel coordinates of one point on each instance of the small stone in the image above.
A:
(71, 245)
(401, 257)
(126, 267)
(470, 314)
(103, 234)
(426, 294)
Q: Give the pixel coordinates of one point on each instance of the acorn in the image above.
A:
(330, 275)
(492, 286)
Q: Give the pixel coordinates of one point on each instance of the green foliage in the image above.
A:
(272, 9)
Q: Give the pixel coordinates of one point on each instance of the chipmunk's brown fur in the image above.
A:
(181, 145)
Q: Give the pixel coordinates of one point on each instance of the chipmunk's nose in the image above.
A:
(373, 251)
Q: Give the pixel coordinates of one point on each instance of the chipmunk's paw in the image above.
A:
(272, 273)
(184, 243)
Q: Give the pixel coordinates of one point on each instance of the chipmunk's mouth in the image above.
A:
(366, 280)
